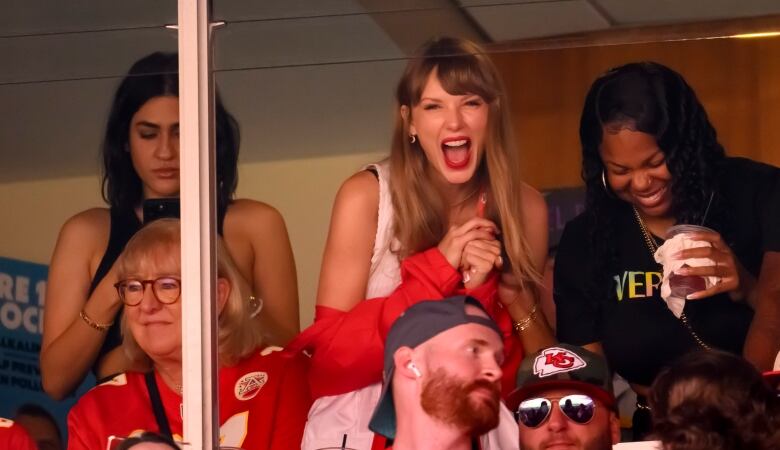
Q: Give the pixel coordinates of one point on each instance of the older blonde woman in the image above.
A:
(263, 391)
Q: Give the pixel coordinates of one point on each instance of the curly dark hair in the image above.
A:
(656, 100)
(152, 76)
(716, 401)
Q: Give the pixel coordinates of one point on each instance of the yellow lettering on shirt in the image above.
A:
(637, 284)
(620, 284)
(649, 285)
(633, 284)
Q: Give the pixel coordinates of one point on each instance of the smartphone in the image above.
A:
(158, 208)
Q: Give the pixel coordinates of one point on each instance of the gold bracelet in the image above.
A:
(527, 321)
(98, 326)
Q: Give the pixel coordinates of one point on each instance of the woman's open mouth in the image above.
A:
(457, 151)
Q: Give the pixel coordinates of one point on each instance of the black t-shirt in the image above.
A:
(640, 335)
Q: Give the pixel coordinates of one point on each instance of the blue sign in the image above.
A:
(22, 294)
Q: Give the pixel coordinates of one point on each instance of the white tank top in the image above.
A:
(385, 273)
(331, 417)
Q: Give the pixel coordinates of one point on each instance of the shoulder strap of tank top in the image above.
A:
(122, 227)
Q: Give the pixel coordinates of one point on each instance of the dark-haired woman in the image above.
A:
(651, 160)
(141, 162)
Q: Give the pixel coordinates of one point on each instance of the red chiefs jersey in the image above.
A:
(348, 347)
(263, 404)
(14, 437)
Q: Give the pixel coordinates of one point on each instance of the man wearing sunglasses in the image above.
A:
(442, 379)
(564, 399)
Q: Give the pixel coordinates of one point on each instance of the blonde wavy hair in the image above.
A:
(462, 67)
(158, 245)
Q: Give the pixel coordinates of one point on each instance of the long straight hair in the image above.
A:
(462, 68)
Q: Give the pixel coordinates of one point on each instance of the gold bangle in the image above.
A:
(527, 321)
(98, 326)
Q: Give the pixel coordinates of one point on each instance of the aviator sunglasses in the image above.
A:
(576, 407)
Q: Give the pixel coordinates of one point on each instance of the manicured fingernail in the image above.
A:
(676, 255)
(682, 271)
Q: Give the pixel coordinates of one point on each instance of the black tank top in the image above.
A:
(124, 224)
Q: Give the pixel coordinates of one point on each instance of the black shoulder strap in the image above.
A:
(157, 406)
(123, 226)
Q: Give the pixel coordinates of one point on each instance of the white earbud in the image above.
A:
(414, 369)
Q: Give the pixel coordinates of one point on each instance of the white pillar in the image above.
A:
(196, 160)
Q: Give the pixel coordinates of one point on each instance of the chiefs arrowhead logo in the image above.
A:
(556, 360)
(248, 386)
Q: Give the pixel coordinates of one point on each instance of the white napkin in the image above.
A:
(664, 256)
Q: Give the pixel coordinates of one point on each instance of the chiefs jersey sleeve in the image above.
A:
(14, 437)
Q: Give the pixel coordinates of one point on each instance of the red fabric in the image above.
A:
(380, 443)
(14, 437)
(272, 419)
(348, 347)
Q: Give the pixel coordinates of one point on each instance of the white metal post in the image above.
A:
(196, 160)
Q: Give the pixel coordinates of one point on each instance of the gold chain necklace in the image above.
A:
(653, 246)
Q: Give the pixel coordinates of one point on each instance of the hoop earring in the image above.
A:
(255, 305)
(412, 138)
(606, 187)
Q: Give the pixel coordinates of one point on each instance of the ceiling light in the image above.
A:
(756, 35)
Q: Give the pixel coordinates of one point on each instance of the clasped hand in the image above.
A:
(473, 249)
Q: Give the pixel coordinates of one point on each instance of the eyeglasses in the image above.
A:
(166, 289)
(535, 411)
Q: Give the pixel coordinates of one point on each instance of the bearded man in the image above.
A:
(442, 377)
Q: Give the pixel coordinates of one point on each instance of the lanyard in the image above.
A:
(157, 405)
